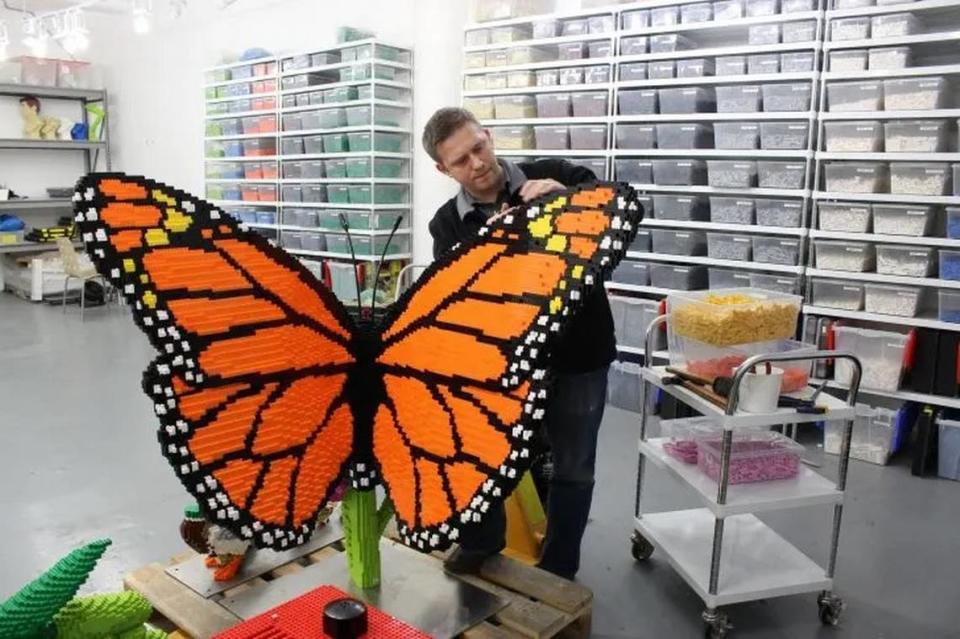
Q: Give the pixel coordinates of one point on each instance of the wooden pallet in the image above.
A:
(540, 605)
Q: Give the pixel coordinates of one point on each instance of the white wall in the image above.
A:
(155, 81)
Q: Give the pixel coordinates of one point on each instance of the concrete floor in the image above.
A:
(79, 460)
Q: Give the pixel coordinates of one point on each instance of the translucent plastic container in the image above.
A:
(679, 172)
(736, 135)
(510, 33)
(687, 208)
(727, 246)
(638, 102)
(662, 70)
(521, 79)
(733, 316)
(887, 299)
(949, 306)
(779, 212)
(636, 136)
(739, 99)
(852, 4)
(889, 58)
(903, 219)
(623, 386)
(571, 76)
(731, 65)
(574, 27)
(754, 457)
(844, 217)
(684, 136)
(953, 222)
(634, 171)
(861, 136)
(553, 105)
(908, 261)
(552, 137)
(481, 108)
(916, 136)
(855, 96)
(589, 104)
(758, 8)
(880, 352)
(784, 135)
(727, 278)
(572, 51)
(635, 19)
(893, 25)
(495, 80)
(588, 137)
(515, 106)
(687, 100)
(786, 97)
(600, 24)
(857, 28)
(920, 178)
(512, 138)
(803, 31)
(911, 94)
(776, 250)
(630, 272)
(834, 255)
(678, 278)
(643, 242)
(727, 9)
(856, 177)
(784, 284)
(695, 67)
(949, 265)
(664, 16)
(767, 63)
(731, 210)
(670, 42)
(838, 294)
(697, 12)
(530, 55)
(671, 242)
(476, 37)
(763, 34)
(633, 71)
(596, 74)
(799, 62)
(781, 175)
(848, 60)
(634, 45)
(732, 173)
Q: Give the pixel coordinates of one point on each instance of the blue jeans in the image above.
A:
(571, 424)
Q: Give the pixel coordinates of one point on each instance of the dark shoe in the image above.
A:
(564, 575)
(467, 562)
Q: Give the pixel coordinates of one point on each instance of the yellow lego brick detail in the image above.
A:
(157, 237)
(177, 221)
(556, 305)
(163, 198)
(150, 299)
(129, 266)
(556, 204)
(557, 243)
(563, 285)
(541, 227)
(577, 272)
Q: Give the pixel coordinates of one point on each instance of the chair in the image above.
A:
(77, 269)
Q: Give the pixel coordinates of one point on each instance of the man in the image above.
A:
(463, 150)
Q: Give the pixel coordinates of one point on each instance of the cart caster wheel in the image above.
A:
(718, 625)
(831, 607)
(642, 549)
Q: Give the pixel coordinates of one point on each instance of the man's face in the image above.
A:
(467, 156)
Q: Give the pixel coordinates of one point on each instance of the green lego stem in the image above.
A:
(385, 514)
(362, 529)
(104, 615)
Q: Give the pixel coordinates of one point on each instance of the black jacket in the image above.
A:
(589, 342)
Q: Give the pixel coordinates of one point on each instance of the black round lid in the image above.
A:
(344, 619)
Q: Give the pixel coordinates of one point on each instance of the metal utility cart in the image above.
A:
(753, 561)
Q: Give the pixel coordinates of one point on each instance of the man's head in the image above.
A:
(462, 149)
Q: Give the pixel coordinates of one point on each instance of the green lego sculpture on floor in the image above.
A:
(363, 525)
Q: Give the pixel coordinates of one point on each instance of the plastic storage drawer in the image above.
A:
(911, 94)
(949, 265)
(776, 250)
(775, 283)
(727, 278)
(893, 25)
(664, 16)
(779, 212)
(679, 172)
(886, 299)
(843, 217)
(338, 194)
(687, 100)
(552, 137)
(739, 99)
(917, 136)
(732, 173)
(781, 175)
(855, 96)
(791, 136)
(662, 70)
(800, 62)
(848, 60)
(630, 272)
(588, 137)
(764, 64)
(731, 65)
(335, 168)
(833, 255)
(695, 67)
(698, 12)
(856, 177)
(727, 10)
(889, 58)
(903, 219)
(643, 242)
(670, 42)
(803, 31)
(731, 210)
(736, 135)
(634, 171)
(638, 102)
(553, 105)
(763, 34)
(688, 208)
(636, 136)
(596, 75)
(854, 137)
(684, 136)
(949, 306)
(880, 352)
(633, 71)
(907, 261)
(292, 193)
(838, 294)
(919, 178)
(682, 278)
(857, 28)
(634, 45)
(509, 107)
(590, 104)
(481, 108)
(727, 246)
(787, 97)
(759, 8)
(679, 242)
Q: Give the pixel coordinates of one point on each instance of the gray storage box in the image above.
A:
(920, 178)
(856, 177)
(630, 272)
(670, 42)
(911, 94)
(727, 10)
(664, 16)
(697, 12)
(731, 65)
(686, 208)
(670, 242)
(633, 71)
(902, 301)
(889, 58)
(903, 219)
(848, 60)
(695, 67)
(313, 169)
(643, 242)
(857, 136)
(679, 172)
(856, 28)
(732, 173)
(832, 255)
(292, 193)
(799, 62)
(759, 8)
(636, 19)
(843, 217)
(638, 102)
(727, 278)
(784, 136)
(728, 246)
(787, 97)
(687, 100)
(636, 136)
(600, 49)
(838, 294)
(314, 193)
(597, 74)
(551, 137)
(740, 98)
(855, 96)
(662, 70)
(776, 250)
(684, 136)
(731, 210)
(776, 283)
(737, 135)
(804, 31)
(553, 105)
(634, 171)
(916, 136)
(588, 137)
(633, 45)
(786, 213)
(906, 261)
(681, 278)
(781, 175)
(571, 51)
(893, 25)
(767, 63)
(763, 34)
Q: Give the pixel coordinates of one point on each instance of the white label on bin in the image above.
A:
(684, 200)
(794, 167)
(684, 164)
(797, 127)
(927, 85)
(744, 202)
(689, 92)
(680, 269)
(688, 128)
(599, 97)
(929, 128)
(791, 205)
(852, 289)
(916, 212)
(787, 243)
(934, 171)
(904, 294)
(866, 170)
(741, 239)
(742, 166)
(751, 90)
(853, 249)
(869, 87)
(917, 254)
(798, 87)
(868, 129)
(683, 235)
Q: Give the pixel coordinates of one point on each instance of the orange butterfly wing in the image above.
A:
(255, 354)
(465, 355)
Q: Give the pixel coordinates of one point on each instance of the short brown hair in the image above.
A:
(442, 125)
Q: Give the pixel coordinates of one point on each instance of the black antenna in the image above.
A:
(383, 254)
(353, 259)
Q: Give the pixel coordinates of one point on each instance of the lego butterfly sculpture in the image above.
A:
(269, 393)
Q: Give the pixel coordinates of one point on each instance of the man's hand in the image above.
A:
(532, 189)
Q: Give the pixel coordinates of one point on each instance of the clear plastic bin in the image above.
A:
(664, 16)
(754, 457)
(739, 99)
(857, 28)
(630, 272)
(546, 29)
(727, 278)
(784, 284)
(727, 9)
(596, 74)
(686, 208)
(843, 217)
(781, 175)
(476, 37)
(695, 67)
(662, 70)
(880, 352)
(889, 58)
(572, 51)
(600, 49)
(949, 265)
(335, 168)
(314, 193)
(949, 306)
(482, 108)
(887, 299)
(636, 136)
(496, 80)
(759, 8)
(731, 210)
(530, 54)
(759, 34)
(837, 294)
(521, 79)
(848, 60)
(697, 12)
(835, 255)
(552, 137)
(292, 193)
(684, 136)
(852, 4)
(903, 219)
(732, 173)
(776, 250)
(787, 97)
(803, 31)
(784, 135)
(953, 222)
(893, 25)
(856, 177)
(911, 94)
(634, 45)
(643, 242)
(588, 137)
(916, 136)
(908, 261)
(600, 24)
(591, 104)
(338, 194)
(678, 278)
(671, 242)
(638, 102)
(687, 100)
(553, 105)
(623, 386)
(597, 166)
(733, 316)
(513, 137)
(574, 27)
(919, 178)
(679, 172)
(736, 135)
(767, 63)
(871, 439)
(636, 19)
(670, 42)
(779, 212)
(510, 33)
(727, 246)
(731, 65)
(634, 171)
(508, 107)
(855, 96)
(633, 71)
(862, 136)
(571, 76)
(548, 78)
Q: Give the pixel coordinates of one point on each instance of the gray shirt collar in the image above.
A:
(515, 179)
